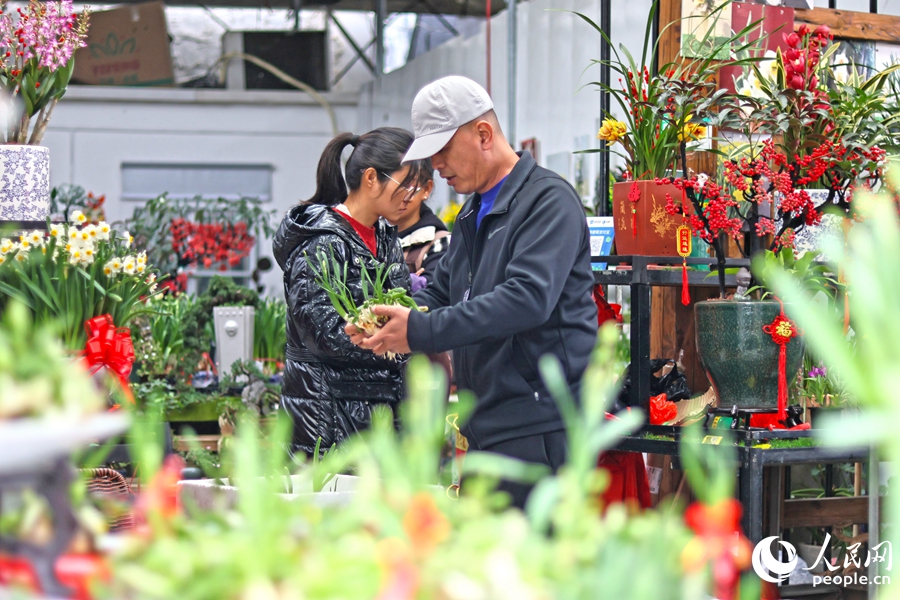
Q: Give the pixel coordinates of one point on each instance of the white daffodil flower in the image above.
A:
(77, 217)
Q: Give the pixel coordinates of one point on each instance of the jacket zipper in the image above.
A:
(467, 235)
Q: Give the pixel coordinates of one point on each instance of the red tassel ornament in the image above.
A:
(684, 238)
(782, 331)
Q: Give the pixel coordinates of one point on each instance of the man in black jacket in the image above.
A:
(514, 285)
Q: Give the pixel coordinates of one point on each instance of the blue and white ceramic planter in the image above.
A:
(24, 183)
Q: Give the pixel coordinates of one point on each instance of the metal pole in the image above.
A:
(487, 44)
(513, 62)
(380, 16)
(605, 25)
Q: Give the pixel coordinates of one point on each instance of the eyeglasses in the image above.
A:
(412, 190)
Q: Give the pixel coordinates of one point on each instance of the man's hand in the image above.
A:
(391, 337)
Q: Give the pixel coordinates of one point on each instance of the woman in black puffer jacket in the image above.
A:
(330, 385)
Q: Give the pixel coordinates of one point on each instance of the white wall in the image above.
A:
(95, 130)
(555, 48)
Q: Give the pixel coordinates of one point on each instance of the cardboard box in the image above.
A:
(126, 46)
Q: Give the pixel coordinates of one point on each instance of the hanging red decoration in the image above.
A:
(782, 331)
(684, 238)
(109, 347)
(633, 196)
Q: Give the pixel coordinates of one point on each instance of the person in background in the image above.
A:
(331, 387)
(423, 236)
(424, 239)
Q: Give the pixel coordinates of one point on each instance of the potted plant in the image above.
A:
(36, 63)
(398, 536)
(796, 135)
(75, 272)
(182, 234)
(662, 111)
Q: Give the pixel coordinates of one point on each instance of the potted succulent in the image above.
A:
(36, 62)
(662, 112)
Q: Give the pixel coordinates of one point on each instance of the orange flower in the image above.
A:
(401, 576)
(424, 523)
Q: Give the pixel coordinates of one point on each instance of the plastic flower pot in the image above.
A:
(739, 358)
(654, 234)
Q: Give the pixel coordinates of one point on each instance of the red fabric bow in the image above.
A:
(109, 347)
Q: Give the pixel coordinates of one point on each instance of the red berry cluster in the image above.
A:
(224, 244)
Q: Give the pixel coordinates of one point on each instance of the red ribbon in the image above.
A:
(109, 347)
(782, 331)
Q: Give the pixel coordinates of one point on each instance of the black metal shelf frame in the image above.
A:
(641, 278)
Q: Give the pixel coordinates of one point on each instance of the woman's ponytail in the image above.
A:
(331, 189)
(381, 149)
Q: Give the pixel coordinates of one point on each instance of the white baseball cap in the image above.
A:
(442, 107)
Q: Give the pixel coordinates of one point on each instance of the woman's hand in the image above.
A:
(357, 336)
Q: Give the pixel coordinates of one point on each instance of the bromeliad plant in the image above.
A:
(331, 276)
(37, 44)
(74, 273)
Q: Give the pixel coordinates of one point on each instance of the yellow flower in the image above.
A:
(103, 230)
(612, 131)
(691, 132)
(142, 259)
(24, 243)
(73, 233)
(140, 268)
(84, 236)
(107, 270)
(57, 230)
(129, 266)
(78, 217)
(91, 230)
(6, 246)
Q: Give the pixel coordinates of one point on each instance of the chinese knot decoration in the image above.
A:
(782, 331)
(224, 244)
(634, 194)
(109, 347)
(683, 239)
